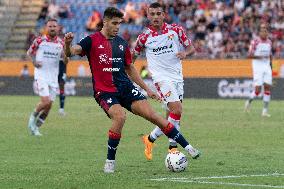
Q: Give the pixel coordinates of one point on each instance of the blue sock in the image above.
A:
(62, 100)
(174, 134)
(113, 142)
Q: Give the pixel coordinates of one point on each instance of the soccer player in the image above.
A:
(61, 80)
(165, 46)
(45, 53)
(110, 63)
(261, 53)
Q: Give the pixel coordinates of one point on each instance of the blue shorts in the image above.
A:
(125, 97)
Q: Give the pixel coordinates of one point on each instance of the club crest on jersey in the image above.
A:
(121, 47)
(103, 59)
(168, 94)
(170, 37)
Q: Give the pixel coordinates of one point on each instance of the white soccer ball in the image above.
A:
(176, 161)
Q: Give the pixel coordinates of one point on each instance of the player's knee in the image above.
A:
(177, 111)
(119, 116)
(47, 103)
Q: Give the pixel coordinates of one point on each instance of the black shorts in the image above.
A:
(124, 97)
(62, 72)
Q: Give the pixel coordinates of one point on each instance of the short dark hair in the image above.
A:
(156, 5)
(112, 12)
(51, 20)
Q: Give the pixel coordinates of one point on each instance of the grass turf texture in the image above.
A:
(72, 151)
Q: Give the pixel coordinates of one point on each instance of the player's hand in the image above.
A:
(181, 55)
(69, 37)
(153, 95)
(37, 64)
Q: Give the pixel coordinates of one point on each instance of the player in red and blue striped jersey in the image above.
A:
(110, 63)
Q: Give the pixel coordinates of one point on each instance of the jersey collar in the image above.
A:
(155, 30)
(49, 39)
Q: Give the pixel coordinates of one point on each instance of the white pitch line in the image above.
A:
(221, 177)
(227, 183)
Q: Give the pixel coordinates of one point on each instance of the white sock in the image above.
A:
(156, 133)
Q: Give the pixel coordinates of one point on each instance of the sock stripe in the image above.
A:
(168, 128)
(114, 135)
(267, 92)
(175, 116)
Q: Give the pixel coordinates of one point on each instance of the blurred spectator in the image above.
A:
(222, 28)
(130, 14)
(53, 10)
(93, 21)
(64, 11)
(44, 11)
(81, 71)
(25, 71)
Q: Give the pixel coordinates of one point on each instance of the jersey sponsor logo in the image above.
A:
(162, 48)
(111, 69)
(104, 59)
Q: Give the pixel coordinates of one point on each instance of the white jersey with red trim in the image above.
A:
(161, 49)
(259, 47)
(48, 52)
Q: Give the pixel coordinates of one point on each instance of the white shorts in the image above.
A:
(170, 91)
(262, 74)
(44, 88)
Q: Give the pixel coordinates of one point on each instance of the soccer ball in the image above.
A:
(176, 161)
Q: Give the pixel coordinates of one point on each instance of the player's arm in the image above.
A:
(189, 51)
(139, 47)
(65, 58)
(31, 53)
(186, 42)
(135, 77)
(71, 50)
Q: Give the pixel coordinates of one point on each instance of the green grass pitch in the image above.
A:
(241, 150)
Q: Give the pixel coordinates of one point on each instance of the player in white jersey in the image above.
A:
(261, 52)
(45, 52)
(165, 46)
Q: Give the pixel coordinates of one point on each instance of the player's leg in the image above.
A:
(143, 109)
(44, 108)
(61, 99)
(61, 81)
(267, 91)
(266, 100)
(258, 82)
(175, 112)
(41, 107)
(172, 94)
(118, 117)
(116, 113)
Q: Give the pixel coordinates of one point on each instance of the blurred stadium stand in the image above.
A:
(19, 16)
(220, 28)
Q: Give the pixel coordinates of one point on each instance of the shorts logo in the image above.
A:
(168, 94)
(121, 47)
(109, 101)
